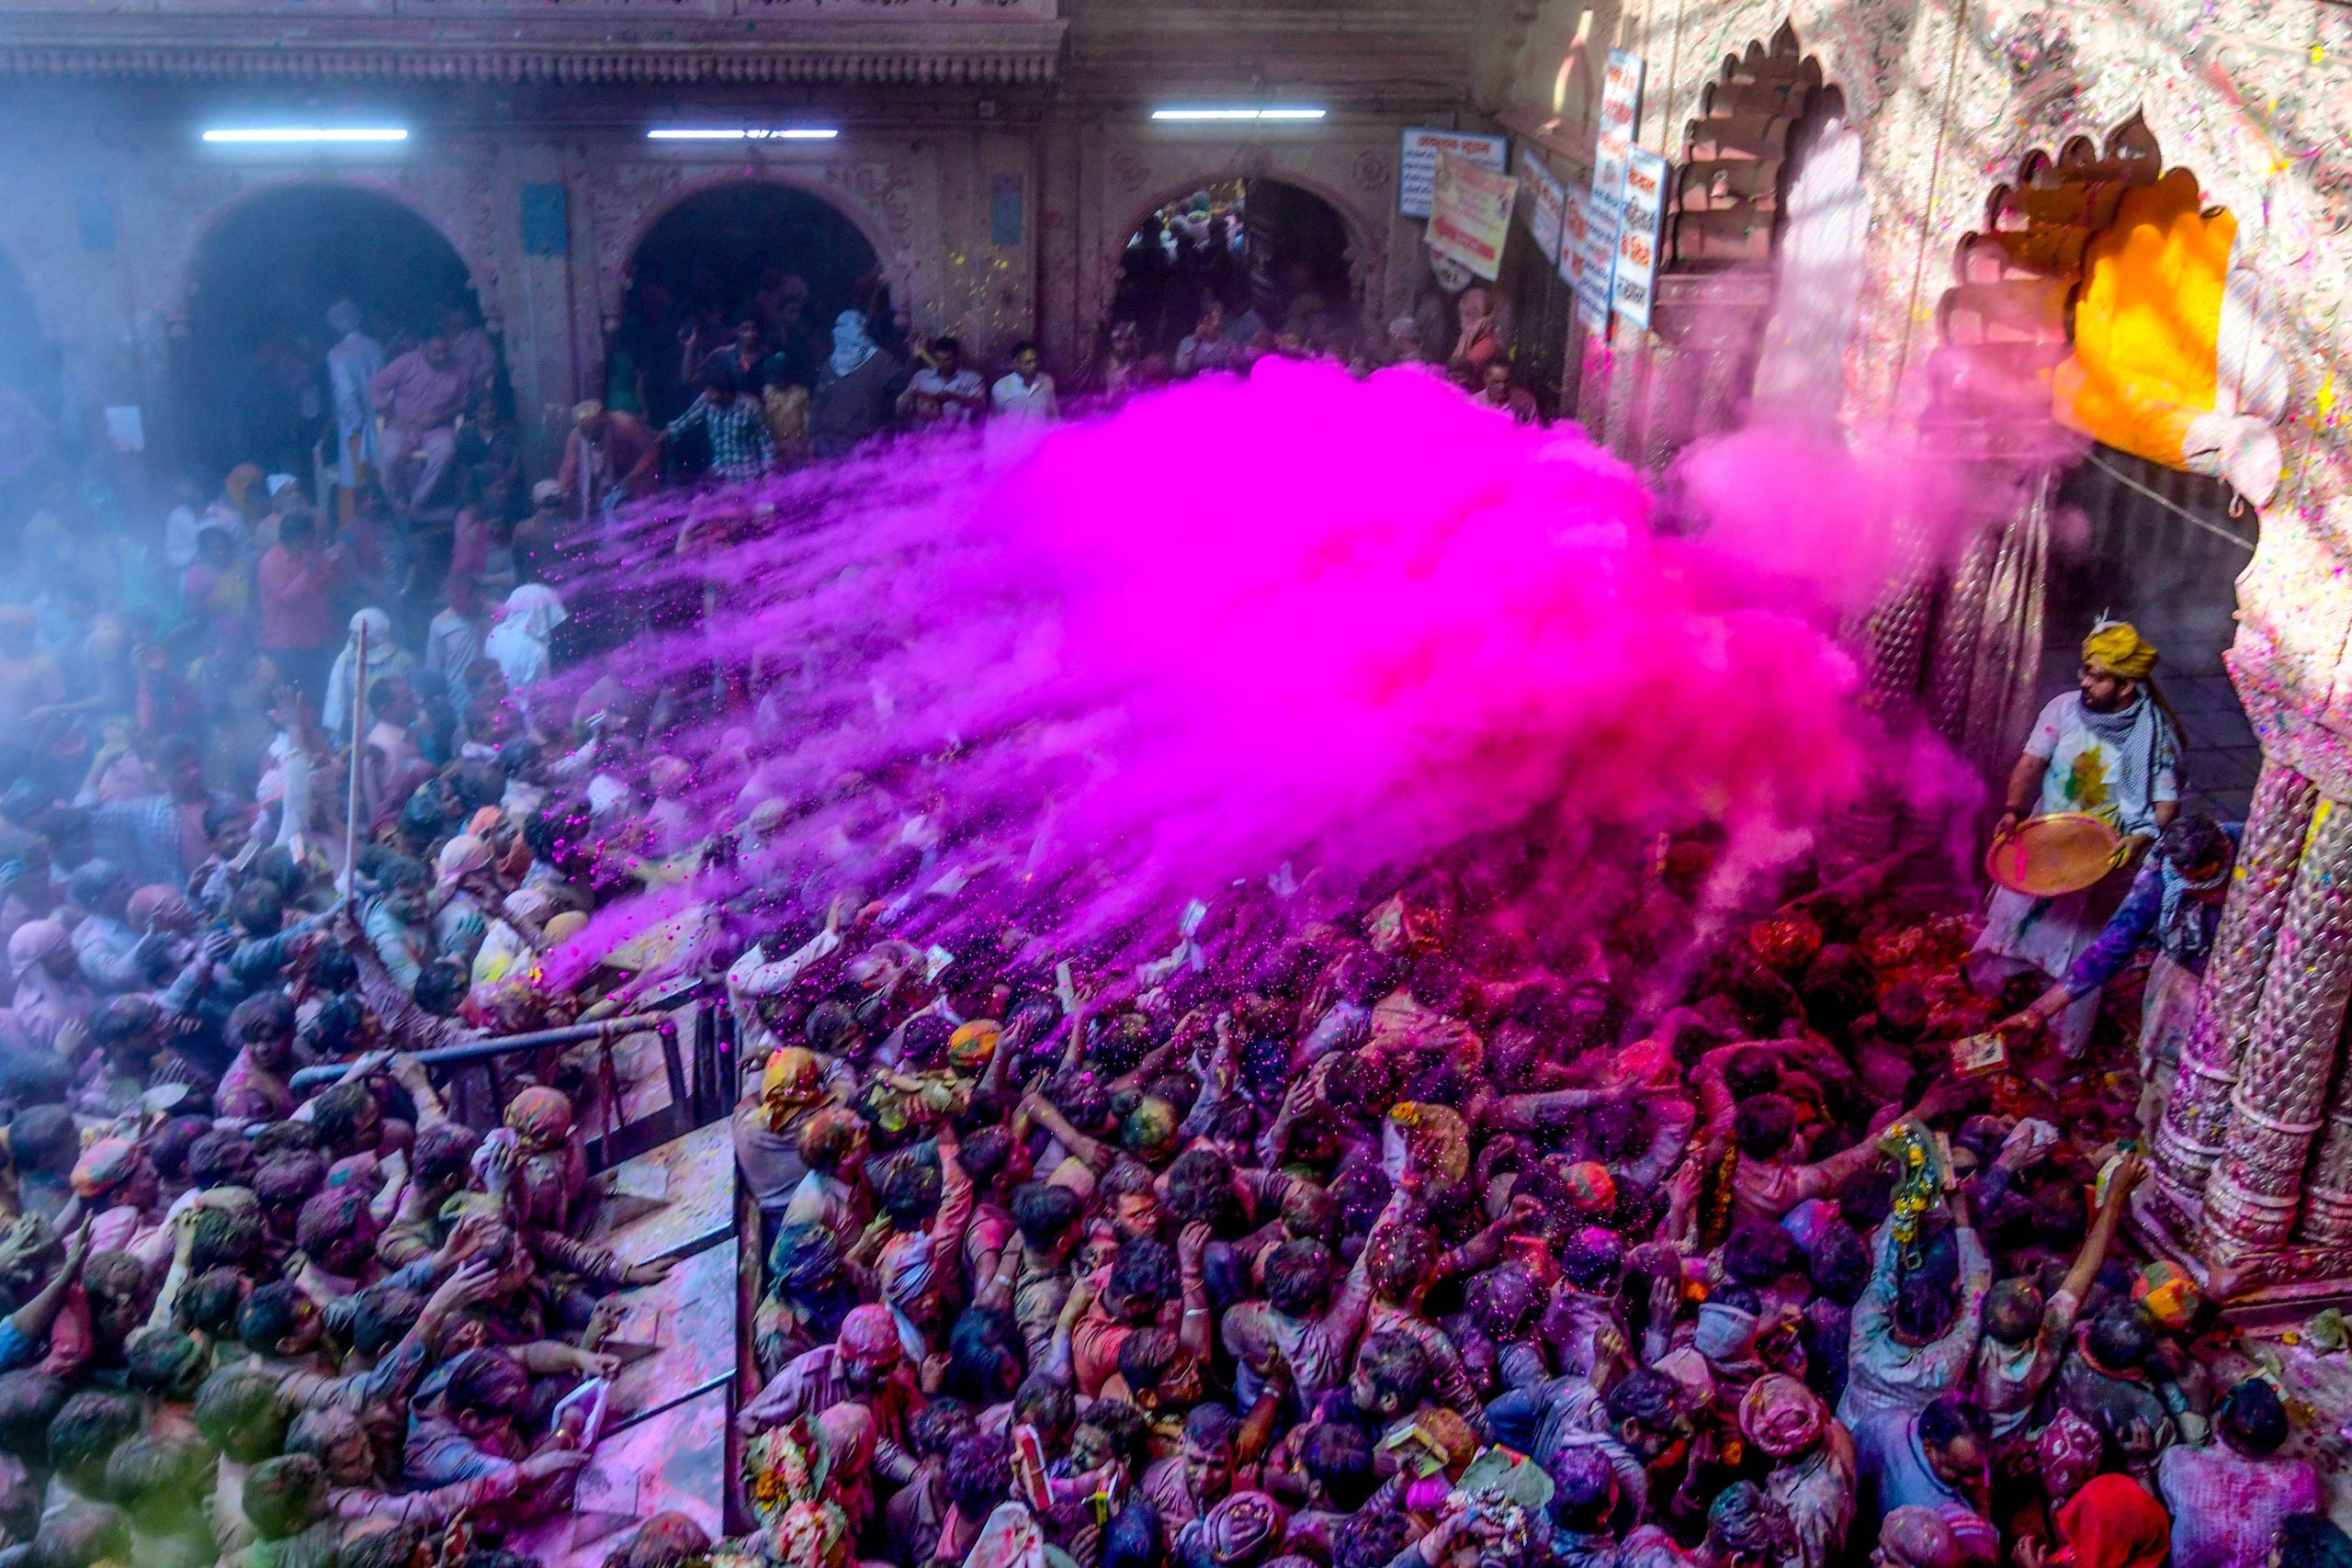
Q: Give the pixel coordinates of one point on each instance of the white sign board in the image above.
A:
(1587, 253)
(1645, 178)
(1621, 110)
(1547, 202)
(1417, 163)
(1576, 217)
(1470, 215)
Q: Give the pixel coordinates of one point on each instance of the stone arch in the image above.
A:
(2098, 234)
(1738, 314)
(1758, 121)
(250, 333)
(195, 239)
(1367, 253)
(2006, 326)
(629, 210)
(1364, 250)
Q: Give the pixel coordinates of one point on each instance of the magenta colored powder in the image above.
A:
(1296, 618)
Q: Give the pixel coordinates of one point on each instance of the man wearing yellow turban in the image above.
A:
(2110, 749)
(2117, 650)
(795, 1084)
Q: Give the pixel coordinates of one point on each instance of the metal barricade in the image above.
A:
(697, 1062)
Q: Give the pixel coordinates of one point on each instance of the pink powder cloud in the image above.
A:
(1292, 618)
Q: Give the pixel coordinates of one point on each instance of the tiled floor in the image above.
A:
(2128, 557)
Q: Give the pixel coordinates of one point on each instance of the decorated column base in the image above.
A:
(2253, 1164)
(2256, 1285)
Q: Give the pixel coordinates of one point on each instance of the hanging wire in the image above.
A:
(2119, 477)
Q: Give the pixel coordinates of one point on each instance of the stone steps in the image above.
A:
(665, 1446)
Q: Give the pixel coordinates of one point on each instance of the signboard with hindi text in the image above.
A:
(1547, 202)
(1588, 252)
(1621, 105)
(1417, 163)
(1470, 215)
(1645, 178)
(1621, 111)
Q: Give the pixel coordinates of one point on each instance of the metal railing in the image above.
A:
(697, 1060)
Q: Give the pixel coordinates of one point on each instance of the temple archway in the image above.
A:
(1759, 268)
(2098, 274)
(1275, 254)
(249, 369)
(730, 249)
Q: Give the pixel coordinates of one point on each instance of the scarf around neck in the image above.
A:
(2142, 737)
(852, 347)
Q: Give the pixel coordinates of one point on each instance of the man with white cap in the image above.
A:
(535, 539)
(352, 364)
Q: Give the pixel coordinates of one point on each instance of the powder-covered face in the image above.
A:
(1376, 621)
(2103, 690)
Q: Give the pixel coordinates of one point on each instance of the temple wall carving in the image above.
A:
(1000, 42)
(2254, 1157)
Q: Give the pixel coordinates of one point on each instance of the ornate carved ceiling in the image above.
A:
(879, 42)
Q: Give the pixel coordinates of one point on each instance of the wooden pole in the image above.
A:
(351, 808)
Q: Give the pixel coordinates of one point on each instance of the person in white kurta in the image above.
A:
(1023, 404)
(352, 363)
(2111, 749)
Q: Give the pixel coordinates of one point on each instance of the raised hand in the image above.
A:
(2129, 1174)
(368, 1065)
(468, 1237)
(77, 1251)
(475, 1282)
(1191, 1244)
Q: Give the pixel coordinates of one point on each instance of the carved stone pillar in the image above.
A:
(2275, 1113)
(2327, 1195)
(1893, 636)
(2197, 1117)
(1981, 675)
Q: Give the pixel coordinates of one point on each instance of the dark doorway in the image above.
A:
(2146, 544)
(1273, 255)
(250, 374)
(789, 258)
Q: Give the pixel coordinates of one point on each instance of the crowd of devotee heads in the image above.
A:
(1435, 1229)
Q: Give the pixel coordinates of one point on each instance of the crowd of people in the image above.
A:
(1407, 1239)
(750, 415)
(423, 417)
(1499, 1216)
(1473, 333)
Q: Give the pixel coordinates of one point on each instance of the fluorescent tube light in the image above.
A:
(741, 133)
(1236, 114)
(301, 133)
